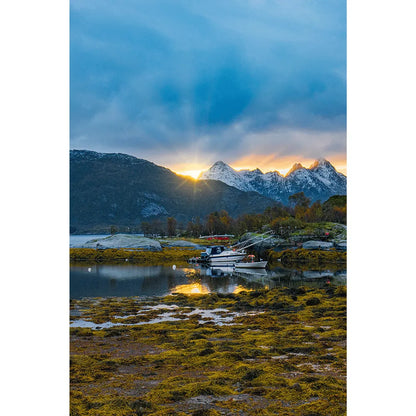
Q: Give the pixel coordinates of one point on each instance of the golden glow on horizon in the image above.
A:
(193, 173)
(265, 163)
(268, 163)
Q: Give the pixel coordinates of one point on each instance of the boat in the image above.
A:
(221, 255)
(224, 255)
(246, 272)
(251, 264)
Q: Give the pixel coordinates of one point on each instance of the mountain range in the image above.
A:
(117, 189)
(318, 182)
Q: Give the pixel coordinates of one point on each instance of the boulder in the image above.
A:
(124, 241)
(341, 245)
(317, 245)
(180, 243)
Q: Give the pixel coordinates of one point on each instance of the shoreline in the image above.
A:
(167, 256)
(180, 255)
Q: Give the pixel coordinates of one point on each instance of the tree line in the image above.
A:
(280, 218)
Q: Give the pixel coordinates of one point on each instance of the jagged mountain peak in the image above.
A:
(220, 163)
(219, 166)
(320, 181)
(296, 166)
(225, 173)
(321, 162)
(273, 173)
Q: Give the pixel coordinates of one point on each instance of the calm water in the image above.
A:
(130, 280)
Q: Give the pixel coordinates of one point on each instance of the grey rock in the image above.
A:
(318, 245)
(124, 241)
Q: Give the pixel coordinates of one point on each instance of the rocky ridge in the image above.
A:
(320, 181)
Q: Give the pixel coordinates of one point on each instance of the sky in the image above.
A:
(185, 83)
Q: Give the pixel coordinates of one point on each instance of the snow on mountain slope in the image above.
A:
(220, 171)
(319, 182)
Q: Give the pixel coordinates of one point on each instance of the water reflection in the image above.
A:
(132, 280)
(191, 289)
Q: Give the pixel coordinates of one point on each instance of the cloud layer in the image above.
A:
(178, 81)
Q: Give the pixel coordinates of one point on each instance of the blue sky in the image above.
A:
(185, 83)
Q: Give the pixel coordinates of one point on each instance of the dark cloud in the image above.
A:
(172, 77)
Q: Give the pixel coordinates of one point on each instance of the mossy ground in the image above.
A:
(317, 229)
(311, 258)
(168, 256)
(284, 353)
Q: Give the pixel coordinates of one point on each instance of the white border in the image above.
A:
(34, 210)
(381, 117)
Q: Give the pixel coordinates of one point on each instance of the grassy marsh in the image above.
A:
(311, 258)
(168, 256)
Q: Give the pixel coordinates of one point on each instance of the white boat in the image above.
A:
(251, 265)
(220, 255)
(245, 272)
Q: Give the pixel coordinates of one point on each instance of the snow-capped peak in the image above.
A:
(220, 164)
(296, 166)
(321, 162)
(320, 181)
(218, 168)
(220, 171)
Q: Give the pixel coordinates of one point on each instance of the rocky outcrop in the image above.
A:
(180, 243)
(317, 245)
(124, 241)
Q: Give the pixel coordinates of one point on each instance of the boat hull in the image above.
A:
(226, 258)
(253, 265)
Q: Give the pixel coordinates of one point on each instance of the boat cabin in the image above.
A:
(212, 250)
